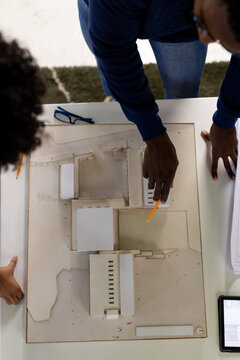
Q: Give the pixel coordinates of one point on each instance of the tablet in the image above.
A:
(229, 323)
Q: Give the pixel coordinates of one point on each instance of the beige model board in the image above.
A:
(168, 296)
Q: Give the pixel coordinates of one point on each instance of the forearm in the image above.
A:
(228, 106)
(114, 44)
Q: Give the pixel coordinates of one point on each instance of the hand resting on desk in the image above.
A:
(10, 290)
(224, 145)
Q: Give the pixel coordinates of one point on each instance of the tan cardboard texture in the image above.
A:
(166, 293)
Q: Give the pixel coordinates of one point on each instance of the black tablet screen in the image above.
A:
(231, 317)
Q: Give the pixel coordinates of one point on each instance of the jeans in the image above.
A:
(83, 18)
(180, 64)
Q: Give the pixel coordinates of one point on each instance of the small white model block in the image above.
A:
(66, 181)
(126, 284)
(111, 285)
(94, 229)
(134, 177)
(76, 176)
(112, 314)
(164, 331)
(104, 285)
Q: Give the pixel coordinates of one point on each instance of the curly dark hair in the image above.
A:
(21, 90)
(233, 7)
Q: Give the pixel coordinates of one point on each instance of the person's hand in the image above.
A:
(160, 165)
(224, 145)
(10, 291)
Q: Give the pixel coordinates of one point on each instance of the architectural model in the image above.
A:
(96, 269)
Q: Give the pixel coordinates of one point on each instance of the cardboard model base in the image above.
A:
(167, 259)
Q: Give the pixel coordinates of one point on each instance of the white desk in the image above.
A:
(215, 216)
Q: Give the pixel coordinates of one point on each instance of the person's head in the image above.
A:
(219, 20)
(21, 89)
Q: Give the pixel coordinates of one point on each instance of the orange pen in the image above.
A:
(19, 165)
(153, 210)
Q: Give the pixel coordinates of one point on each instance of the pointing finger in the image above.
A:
(145, 173)
(13, 263)
(205, 135)
(14, 300)
(158, 189)
(228, 168)
(214, 168)
(234, 159)
(20, 294)
(165, 191)
(151, 182)
(8, 301)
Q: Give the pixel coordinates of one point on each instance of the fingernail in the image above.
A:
(14, 258)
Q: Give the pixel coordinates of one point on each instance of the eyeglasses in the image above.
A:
(200, 24)
(70, 118)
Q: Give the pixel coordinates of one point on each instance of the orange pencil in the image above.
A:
(19, 165)
(153, 210)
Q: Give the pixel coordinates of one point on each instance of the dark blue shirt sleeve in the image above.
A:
(228, 105)
(114, 27)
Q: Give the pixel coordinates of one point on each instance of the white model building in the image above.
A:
(94, 229)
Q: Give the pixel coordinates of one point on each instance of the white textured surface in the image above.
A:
(112, 314)
(134, 177)
(126, 284)
(67, 181)
(51, 31)
(94, 229)
(215, 213)
(235, 234)
(104, 275)
(152, 331)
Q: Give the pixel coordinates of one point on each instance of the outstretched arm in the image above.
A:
(114, 27)
(10, 290)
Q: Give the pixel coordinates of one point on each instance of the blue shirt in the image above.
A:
(114, 27)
